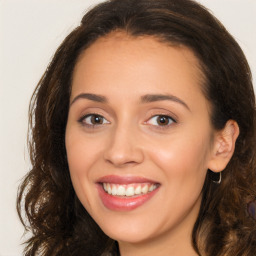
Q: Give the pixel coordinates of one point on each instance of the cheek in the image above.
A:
(81, 156)
(183, 160)
(82, 151)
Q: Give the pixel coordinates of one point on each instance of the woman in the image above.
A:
(143, 137)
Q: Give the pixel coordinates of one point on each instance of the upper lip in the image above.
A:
(116, 179)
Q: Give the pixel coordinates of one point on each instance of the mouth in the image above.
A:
(125, 193)
(129, 190)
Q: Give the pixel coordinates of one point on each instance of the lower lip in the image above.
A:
(116, 203)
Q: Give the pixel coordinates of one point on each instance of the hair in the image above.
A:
(47, 204)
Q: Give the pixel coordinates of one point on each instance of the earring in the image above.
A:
(213, 177)
(218, 181)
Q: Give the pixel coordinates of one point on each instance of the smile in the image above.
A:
(125, 193)
(129, 190)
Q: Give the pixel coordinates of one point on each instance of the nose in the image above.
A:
(124, 148)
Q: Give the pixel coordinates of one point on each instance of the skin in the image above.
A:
(130, 142)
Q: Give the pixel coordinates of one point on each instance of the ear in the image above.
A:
(223, 146)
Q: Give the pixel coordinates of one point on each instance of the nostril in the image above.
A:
(121, 161)
(123, 148)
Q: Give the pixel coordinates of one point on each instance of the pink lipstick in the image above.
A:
(120, 193)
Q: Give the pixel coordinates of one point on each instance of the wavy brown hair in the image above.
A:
(47, 204)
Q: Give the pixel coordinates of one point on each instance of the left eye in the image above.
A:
(161, 120)
(94, 119)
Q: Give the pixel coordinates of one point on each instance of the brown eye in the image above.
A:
(161, 120)
(93, 120)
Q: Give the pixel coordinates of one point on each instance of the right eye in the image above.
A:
(163, 121)
(93, 120)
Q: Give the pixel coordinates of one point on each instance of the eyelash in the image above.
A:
(105, 121)
(158, 126)
(83, 118)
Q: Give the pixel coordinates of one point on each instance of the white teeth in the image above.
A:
(109, 188)
(144, 190)
(138, 190)
(152, 187)
(129, 189)
(121, 191)
(114, 190)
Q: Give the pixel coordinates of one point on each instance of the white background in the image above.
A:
(30, 32)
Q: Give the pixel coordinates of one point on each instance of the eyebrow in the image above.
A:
(90, 96)
(160, 97)
(144, 99)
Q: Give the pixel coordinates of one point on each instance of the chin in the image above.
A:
(129, 233)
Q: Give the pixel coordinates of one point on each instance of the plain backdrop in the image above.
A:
(30, 32)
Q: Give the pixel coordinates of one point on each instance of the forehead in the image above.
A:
(123, 45)
(119, 61)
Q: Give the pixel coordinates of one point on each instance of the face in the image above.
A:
(139, 138)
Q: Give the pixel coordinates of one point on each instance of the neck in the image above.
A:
(176, 241)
